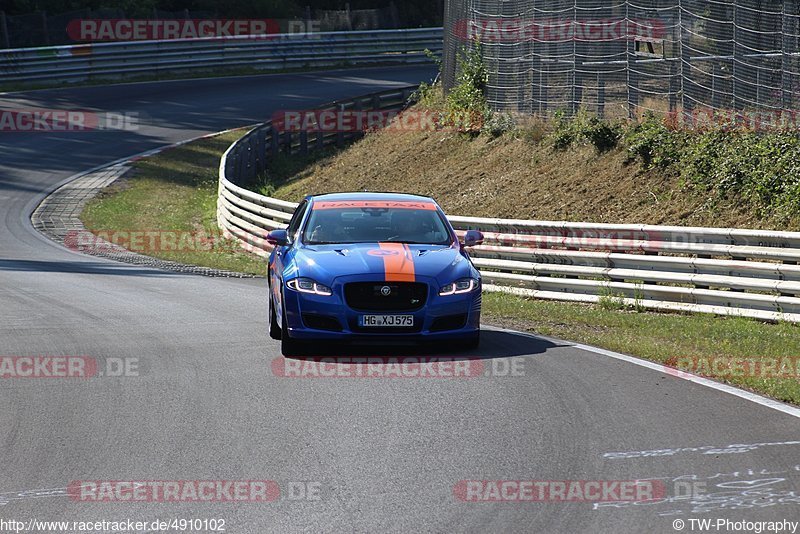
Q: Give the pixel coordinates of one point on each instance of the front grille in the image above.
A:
(449, 322)
(321, 322)
(374, 296)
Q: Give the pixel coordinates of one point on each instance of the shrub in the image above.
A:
(465, 105)
(585, 128)
(653, 143)
(498, 124)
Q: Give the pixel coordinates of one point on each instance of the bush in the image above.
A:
(762, 169)
(429, 96)
(498, 124)
(652, 142)
(465, 105)
(585, 128)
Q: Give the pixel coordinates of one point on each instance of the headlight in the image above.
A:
(307, 285)
(459, 287)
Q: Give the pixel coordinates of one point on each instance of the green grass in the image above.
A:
(659, 337)
(174, 191)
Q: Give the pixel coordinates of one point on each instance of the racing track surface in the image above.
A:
(385, 453)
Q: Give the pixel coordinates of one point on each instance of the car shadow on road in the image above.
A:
(495, 344)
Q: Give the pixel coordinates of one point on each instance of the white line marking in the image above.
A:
(731, 390)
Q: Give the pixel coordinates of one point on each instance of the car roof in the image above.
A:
(397, 197)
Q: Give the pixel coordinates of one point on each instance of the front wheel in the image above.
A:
(274, 329)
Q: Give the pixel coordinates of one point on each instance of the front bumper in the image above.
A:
(440, 318)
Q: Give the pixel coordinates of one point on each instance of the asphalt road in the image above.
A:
(376, 454)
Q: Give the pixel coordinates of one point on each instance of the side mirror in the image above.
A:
(278, 238)
(472, 238)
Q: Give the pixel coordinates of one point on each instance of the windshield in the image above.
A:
(332, 223)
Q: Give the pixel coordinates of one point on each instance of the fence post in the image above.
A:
(4, 29)
(339, 132)
(674, 87)
(274, 140)
(44, 29)
(319, 142)
(629, 76)
(287, 139)
(681, 79)
(736, 54)
(785, 76)
(349, 16)
(251, 159)
(303, 142)
(395, 14)
(543, 89)
(574, 92)
(716, 74)
(601, 96)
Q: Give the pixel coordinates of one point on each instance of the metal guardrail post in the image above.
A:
(45, 31)
(4, 29)
(304, 142)
(274, 140)
(287, 142)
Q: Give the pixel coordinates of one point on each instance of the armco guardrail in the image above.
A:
(273, 52)
(750, 273)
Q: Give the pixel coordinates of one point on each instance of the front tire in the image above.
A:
(274, 329)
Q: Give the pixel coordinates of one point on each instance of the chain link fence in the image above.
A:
(626, 57)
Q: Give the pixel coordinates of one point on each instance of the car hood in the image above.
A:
(389, 261)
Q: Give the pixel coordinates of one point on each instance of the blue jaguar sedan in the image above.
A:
(372, 268)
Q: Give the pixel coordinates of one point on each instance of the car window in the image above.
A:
(297, 219)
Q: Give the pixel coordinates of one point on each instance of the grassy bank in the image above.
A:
(578, 169)
(174, 192)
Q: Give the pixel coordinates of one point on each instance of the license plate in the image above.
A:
(384, 321)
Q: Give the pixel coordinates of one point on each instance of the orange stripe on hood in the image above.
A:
(398, 266)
